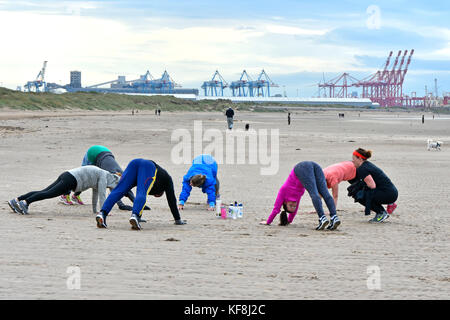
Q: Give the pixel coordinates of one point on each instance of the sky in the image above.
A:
(297, 43)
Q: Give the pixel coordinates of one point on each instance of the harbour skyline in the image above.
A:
(296, 43)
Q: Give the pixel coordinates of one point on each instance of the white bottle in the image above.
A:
(235, 211)
(230, 211)
(240, 210)
(218, 206)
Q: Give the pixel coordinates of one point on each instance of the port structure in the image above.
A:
(338, 86)
(39, 83)
(240, 88)
(145, 83)
(384, 87)
(261, 86)
(215, 86)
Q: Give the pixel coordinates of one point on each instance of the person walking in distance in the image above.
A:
(230, 114)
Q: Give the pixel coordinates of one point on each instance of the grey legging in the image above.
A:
(312, 178)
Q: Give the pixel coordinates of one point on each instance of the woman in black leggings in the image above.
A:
(78, 179)
(380, 189)
(65, 182)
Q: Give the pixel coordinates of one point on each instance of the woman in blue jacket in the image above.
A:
(202, 174)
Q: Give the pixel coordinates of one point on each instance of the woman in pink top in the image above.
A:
(336, 173)
(306, 175)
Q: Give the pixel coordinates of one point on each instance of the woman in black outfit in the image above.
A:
(380, 189)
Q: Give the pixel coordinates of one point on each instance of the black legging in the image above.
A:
(380, 197)
(65, 183)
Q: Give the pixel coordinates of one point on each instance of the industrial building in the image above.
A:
(75, 79)
(145, 84)
(383, 88)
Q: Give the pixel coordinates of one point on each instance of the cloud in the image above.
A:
(280, 29)
(107, 39)
(102, 48)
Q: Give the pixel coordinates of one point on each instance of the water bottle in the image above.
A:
(241, 210)
(218, 207)
(235, 210)
(223, 213)
(230, 211)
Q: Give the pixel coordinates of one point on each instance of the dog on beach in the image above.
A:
(432, 144)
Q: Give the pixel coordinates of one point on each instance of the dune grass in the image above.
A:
(112, 101)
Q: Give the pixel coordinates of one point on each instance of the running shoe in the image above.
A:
(14, 206)
(76, 200)
(334, 223)
(23, 207)
(101, 220)
(65, 199)
(391, 207)
(134, 221)
(323, 222)
(380, 217)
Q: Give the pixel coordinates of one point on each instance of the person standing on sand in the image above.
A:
(202, 174)
(380, 189)
(230, 114)
(289, 118)
(306, 175)
(150, 179)
(103, 158)
(78, 179)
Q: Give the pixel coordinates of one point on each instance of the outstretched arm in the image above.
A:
(172, 200)
(211, 192)
(335, 192)
(185, 192)
(277, 207)
(99, 193)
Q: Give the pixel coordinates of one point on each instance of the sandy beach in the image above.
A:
(211, 258)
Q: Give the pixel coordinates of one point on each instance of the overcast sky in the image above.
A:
(297, 43)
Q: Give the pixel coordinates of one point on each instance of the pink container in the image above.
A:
(223, 212)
